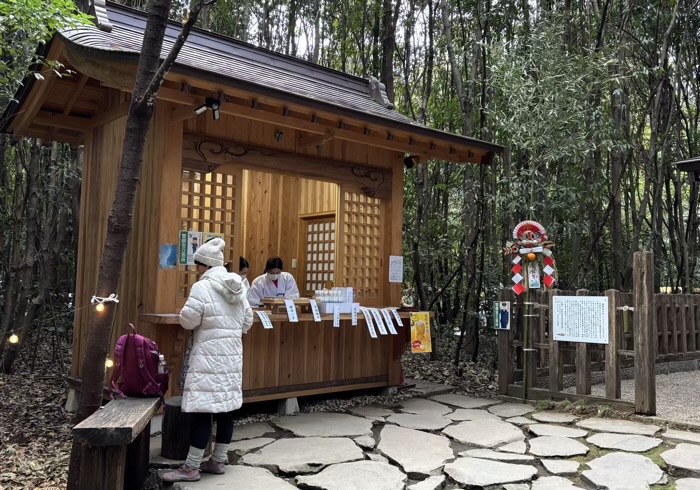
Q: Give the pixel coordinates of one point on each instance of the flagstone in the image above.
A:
(683, 460)
(682, 435)
(483, 472)
(619, 426)
(356, 476)
(254, 478)
(553, 417)
(251, 431)
(304, 455)
(366, 442)
(247, 445)
(432, 483)
(561, 466)
(556, 430)
(484, 433)
(325, 424)
(420, 421)
(421, 405)
(507, 410)
(618, 471)
(688, 484)
(514, 447)
(496, 455)
(624, 442)
(372, 412)
(552, 483)
(463, 401)
(518, 420)
(465, 414)
(555, 446)
(418, 453)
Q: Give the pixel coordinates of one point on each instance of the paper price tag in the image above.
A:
(336, 316)
(267, 323)
(370, 324)
(379, 321)
(397, 317)
(291, 310)
(314, 310)
(389, 323)
(355, 310)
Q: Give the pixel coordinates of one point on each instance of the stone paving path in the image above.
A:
(454, 441)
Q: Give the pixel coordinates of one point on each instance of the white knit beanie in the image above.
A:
(211, 253)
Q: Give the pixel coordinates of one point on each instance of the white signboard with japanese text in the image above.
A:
(581, 319)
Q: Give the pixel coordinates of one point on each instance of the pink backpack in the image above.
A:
(139, 368)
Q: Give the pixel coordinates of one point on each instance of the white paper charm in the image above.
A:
(389, 323)
(397, 317)
(355, 310)
(370, 324)
(517, 259)
(314, 310)
(548, 270)
(291, 310)
(336, 316)
(378, 320)
(267, 323)
(517, 278)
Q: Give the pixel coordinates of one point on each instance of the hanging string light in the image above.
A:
(13, 339)
(109, 363)
(99, 301)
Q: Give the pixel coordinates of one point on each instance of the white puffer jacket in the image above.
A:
(219, 313)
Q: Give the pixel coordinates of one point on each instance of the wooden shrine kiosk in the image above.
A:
(277, 155)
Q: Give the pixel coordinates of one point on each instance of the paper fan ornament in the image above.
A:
(532, 253)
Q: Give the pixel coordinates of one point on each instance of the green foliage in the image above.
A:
(24, 25)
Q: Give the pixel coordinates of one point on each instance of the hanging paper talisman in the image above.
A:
(532, 258)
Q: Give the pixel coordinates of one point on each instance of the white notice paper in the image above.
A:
(355, 310)
(370, 325)
(397, 316)
(395, 268)
(379, 321)
(581, 319)
(336, 316)
(264, 319)
(314, 310)
(389, 323)
(291, 310)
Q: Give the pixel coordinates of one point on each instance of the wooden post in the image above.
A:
(102, 467)
(644, 334)
(612, 360)
(138, 460)
(583, 362)
(176, 430)
(505, 359)
(556, 361)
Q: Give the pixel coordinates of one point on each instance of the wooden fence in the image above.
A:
(635, 318)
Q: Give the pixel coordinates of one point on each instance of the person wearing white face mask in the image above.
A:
(274, 283)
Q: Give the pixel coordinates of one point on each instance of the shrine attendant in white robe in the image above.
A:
(274, 283)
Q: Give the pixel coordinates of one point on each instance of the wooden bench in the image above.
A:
(116, 444)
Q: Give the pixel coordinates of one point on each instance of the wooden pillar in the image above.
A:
(102, 467)
(612, 359)
(556, 361)
(505, 358)
(176, 430)
(644, 334)
(583, 362)
(138, 460)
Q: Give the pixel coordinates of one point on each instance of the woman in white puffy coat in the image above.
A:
(218, 313)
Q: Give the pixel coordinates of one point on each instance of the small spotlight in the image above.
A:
(14, 339)
(201, 110)
(215, 106)
(99, 307)
(109, 363)
(409, 161)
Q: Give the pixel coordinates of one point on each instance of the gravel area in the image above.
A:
(676, 395)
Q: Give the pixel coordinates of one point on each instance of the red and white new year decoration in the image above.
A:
(532, 253)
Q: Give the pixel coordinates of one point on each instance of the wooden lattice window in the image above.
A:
(208, 204)
(362, 251)
(318, 242)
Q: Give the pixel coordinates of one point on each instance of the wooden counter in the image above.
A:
(299, 359)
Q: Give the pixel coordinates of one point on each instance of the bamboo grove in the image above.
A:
(593, 100)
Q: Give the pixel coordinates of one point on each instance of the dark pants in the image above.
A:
(201, 428)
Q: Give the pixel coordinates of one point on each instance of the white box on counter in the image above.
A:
(329, 308)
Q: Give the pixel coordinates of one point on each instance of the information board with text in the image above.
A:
(581, 319)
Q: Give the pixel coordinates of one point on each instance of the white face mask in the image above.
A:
(273, 277)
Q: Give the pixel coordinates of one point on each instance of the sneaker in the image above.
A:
(213, 467)
(183, 473)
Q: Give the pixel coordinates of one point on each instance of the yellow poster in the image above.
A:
(420, 332)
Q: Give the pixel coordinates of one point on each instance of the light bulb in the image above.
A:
(109, 363)
(14, 339)
(99, 307)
